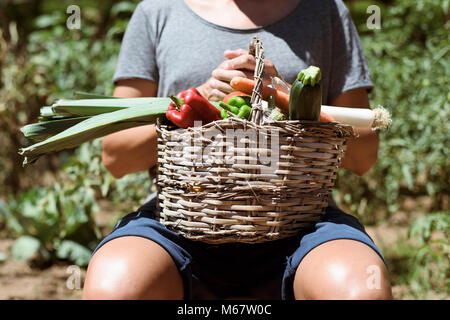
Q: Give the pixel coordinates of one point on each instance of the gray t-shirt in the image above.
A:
(168, 43)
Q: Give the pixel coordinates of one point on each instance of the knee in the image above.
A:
(340, 281)
(342, 269)
(109, 280)
(119, 272)
(345, 282)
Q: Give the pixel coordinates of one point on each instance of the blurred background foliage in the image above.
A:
(52, 207)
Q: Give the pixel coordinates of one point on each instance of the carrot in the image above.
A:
(246, 85)
(325, 117)
(281, 98)
(234, 94)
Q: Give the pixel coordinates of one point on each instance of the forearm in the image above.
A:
(130, 150)
(362, 152)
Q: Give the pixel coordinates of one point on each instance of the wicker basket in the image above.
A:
(245, 181)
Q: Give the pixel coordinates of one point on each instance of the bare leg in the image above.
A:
(342, 269)
(132, 268)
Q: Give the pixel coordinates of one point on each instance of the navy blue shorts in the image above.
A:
(262, 270)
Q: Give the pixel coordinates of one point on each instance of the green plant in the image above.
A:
(39, 62)
(44, 219)
(408, 60)
(432, 259)
(59, 222)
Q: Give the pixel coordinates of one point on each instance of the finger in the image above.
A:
(231, 54)
(227, 75)
(218, 95)
(222, 86)
(245, 61)
(269, 68)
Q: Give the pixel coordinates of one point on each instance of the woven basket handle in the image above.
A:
(256, 49)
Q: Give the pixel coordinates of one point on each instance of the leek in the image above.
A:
(69, 123)
(92, 128)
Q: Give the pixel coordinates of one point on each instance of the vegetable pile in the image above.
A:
(69, 123)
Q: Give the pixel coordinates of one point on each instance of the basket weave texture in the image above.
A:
(245, 181)
(229, 196)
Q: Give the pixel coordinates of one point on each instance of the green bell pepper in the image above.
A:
(244, 112)
(224, 114)
(241, 109)
(237, 101)
(230, 108)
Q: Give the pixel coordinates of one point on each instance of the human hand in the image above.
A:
(239, 63)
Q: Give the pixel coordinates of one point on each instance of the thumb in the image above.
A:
(231, 54)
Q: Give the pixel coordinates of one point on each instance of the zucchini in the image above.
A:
(305, 97)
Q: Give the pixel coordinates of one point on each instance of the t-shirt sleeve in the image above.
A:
(349, 68)
(137, 58)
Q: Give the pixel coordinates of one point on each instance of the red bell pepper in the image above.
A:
(200, 105)
(192, 106)
(184, 118)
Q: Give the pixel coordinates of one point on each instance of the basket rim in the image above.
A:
(346, 131)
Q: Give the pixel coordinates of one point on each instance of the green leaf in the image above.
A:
(25, 247)
(45, 129)
(123, 6)
(406, 170)
(48, 20)
(75, 252)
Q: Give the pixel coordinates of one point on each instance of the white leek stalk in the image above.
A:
(376, 119)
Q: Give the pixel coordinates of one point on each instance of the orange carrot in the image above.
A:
(325, 117)
(281, 98)
(246, 85)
